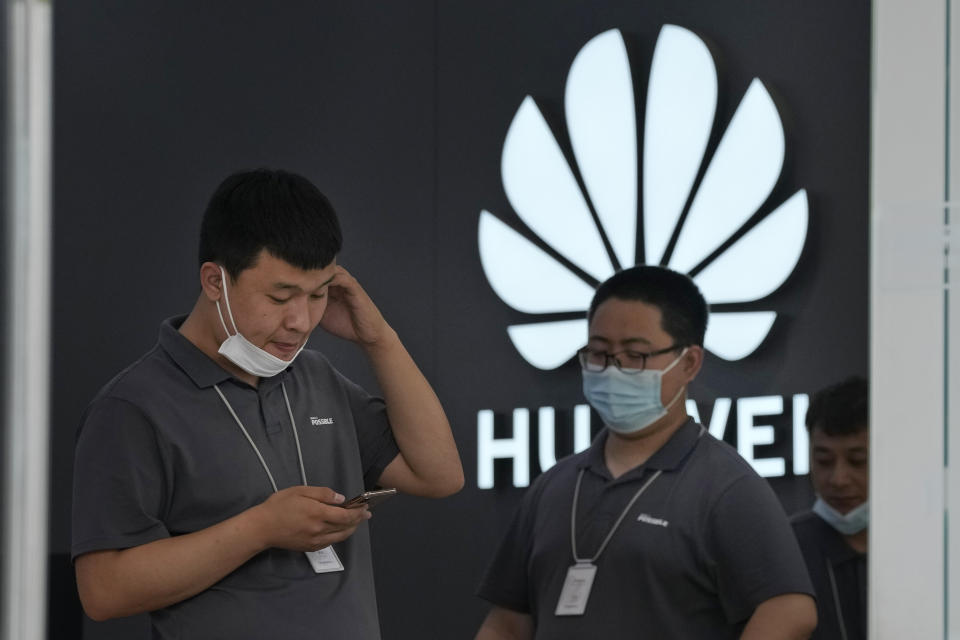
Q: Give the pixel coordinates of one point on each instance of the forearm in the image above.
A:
(504, 624)
(791, 616)
(145, 578)
(419, 423)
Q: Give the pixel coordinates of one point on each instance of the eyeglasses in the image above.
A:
(628, 360)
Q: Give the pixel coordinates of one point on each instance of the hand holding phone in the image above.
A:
(369, 498)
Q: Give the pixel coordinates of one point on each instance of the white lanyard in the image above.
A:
(603, 545)
(579, 581)
(322, 560)
(296, 438)
(836, 600)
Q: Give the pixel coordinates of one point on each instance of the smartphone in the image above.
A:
(369, 498)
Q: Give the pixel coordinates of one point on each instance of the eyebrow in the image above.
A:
(286, 286)
(823, 448)
(627, 341)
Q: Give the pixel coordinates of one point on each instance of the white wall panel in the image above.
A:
(27, 430)
(907, 321)
(952, 483)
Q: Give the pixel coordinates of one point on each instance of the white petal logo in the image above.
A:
(601, 123)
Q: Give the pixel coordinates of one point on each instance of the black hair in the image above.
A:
(275, 210)
(683, 310)
(841, 409)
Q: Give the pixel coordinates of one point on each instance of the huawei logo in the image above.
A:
(705, 216)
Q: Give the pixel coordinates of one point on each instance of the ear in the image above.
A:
(211, 281)
(691, 362)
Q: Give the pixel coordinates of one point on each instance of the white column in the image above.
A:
(28, 319)
(906, 559)
(952, 480)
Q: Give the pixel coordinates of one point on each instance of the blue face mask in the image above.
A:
(854, 521)
(628, 401)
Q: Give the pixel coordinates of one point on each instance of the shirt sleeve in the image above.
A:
(752, 548)
(118, 482)
(375, 438)
(507, 581)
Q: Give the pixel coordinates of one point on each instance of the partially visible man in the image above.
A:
(833, 535)
(658, 530)
(210, 473)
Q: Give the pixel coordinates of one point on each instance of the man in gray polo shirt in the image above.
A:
(209, 473)
(833, 534)
(658, 530)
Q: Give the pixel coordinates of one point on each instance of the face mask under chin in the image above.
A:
(850, 523)
(243, 353)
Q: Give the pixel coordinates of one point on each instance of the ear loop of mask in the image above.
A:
(684, 387)
(226, 299)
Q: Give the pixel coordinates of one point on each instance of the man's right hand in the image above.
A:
(122, 582)
(304, 518)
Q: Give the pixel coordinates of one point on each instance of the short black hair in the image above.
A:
(840, 409)
(270, 209)
(683, 310)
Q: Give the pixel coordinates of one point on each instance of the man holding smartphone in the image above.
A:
(210, 474)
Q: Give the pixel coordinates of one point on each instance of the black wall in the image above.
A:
(398, 111)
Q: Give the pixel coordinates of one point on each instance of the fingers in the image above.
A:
(341, 277)
(305, 518)
(334, 524)
(346, 288)
(351, 314)
(337, 518)
(325, 505)
(320, 494)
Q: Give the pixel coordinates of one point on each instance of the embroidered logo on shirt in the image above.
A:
(315, 421)
(660, 522)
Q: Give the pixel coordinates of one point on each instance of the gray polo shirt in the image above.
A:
(158, 455)
(703, 546)
(839, 575)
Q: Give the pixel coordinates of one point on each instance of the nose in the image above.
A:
(297, 317)
(840, 475)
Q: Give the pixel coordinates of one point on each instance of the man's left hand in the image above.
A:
(351, 314)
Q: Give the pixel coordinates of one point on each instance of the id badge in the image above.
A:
(324, 560)
(576, 589)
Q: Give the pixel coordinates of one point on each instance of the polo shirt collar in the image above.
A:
(668, 457)
(198, 366)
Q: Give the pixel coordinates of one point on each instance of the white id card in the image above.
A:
(576, 589)
(324, 560)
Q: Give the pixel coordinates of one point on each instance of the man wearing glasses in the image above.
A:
(658, 530)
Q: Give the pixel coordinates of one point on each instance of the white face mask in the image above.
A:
(628, 402)
(244, 353)
(854, 521)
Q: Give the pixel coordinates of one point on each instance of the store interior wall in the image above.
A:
(398, 112)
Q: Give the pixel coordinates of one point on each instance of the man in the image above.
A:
(657, 530)
(833, 536)
(209, 472)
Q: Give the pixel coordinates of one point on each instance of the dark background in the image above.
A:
(398, 111)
